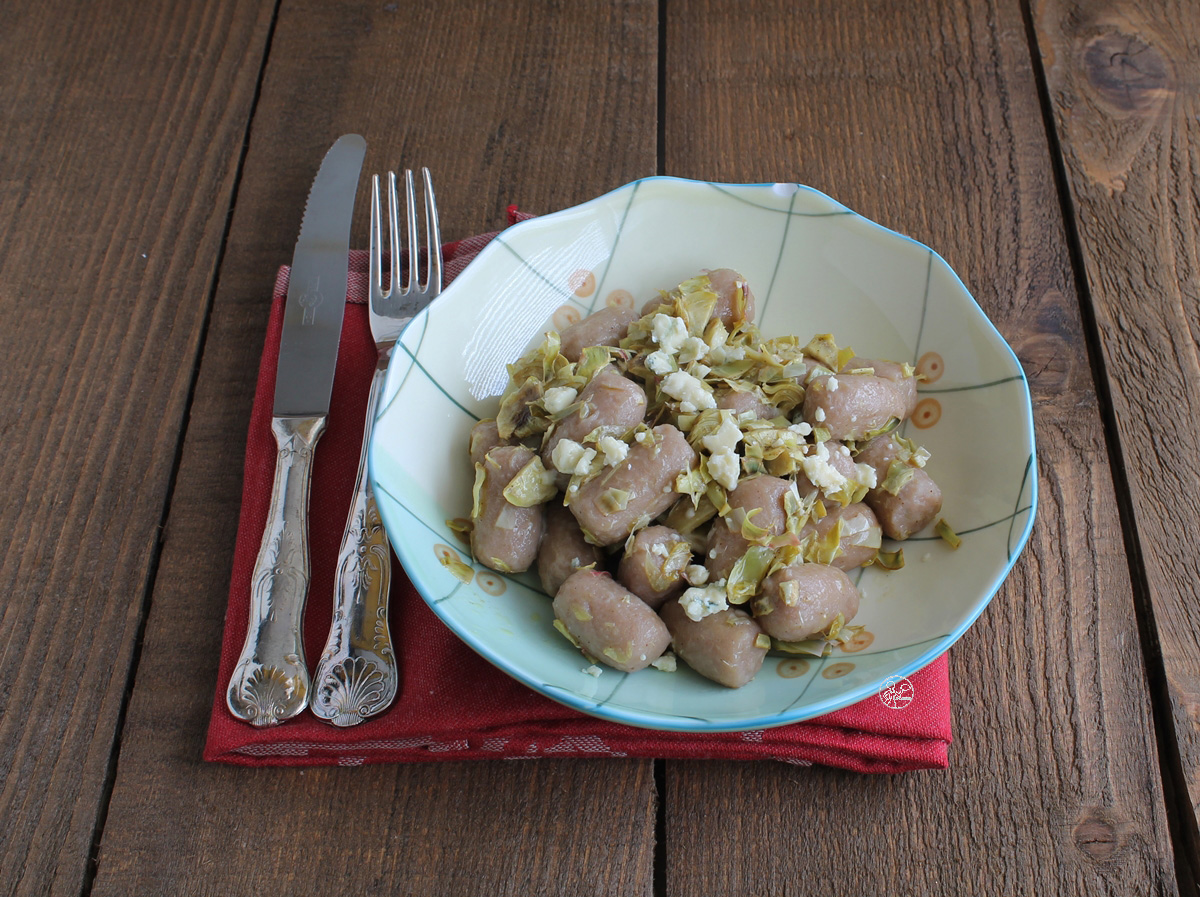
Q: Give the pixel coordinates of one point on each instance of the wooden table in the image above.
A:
(153, 166)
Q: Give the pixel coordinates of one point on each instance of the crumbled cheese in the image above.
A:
(722, 354)
(699, 602)
(640, 436)
(669, 332)
(571, 458)
(696, 575)
(867, 475)
(832, 384)
(692, 349)
(819, 415)
(557, 398)
(659, 362)
(593, 670)
(822, 474)
(614, 450)
(804, 428)
(688, 389)
(725, 467)
(726, 437)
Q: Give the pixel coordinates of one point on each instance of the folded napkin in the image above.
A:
(452, 704)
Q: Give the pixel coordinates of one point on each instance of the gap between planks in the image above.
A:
(1181, 820)
(110, 775)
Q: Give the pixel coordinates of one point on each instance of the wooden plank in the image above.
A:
(1122, 81)
(123, 127)
(926, 118)
(509, 104)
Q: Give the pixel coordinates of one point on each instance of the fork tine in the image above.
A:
(394, 234)
(376, 261)
(434, 235)
(414, 250)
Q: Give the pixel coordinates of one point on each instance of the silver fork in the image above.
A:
(356, 677)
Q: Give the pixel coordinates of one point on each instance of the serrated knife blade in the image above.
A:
(270, 683)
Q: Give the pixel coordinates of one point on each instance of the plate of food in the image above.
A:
(706, 457)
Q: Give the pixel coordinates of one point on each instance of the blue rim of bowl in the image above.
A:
(666, 723)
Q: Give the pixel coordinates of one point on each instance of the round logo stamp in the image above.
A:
(896, 692)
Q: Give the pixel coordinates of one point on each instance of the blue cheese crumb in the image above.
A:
(614, 450)
(669, 332)
(688, 390)
(571, 458)
(557, 398)
(660, 363)
(699, 602)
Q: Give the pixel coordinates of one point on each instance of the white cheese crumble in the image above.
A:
(804, 428)
(689, 390)
(571, 458)
(696, 575)
(692, 349)
(819, 415)
(722, 354)
(699, 602)
(669, 332)
(867, 475)
(822, 474)
(659, 362)
(725, 467)
(593, 670)
(831, 384)
(726, 437)
(557, 398)
(614, 450)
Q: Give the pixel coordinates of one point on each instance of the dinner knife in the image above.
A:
(270, 683)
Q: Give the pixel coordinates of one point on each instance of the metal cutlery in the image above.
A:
(270, 682)
(357, 675)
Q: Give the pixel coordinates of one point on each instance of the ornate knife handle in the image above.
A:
(270, 682)
(356, 676)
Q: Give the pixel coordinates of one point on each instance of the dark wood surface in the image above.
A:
(1122, 82)
(152, 175)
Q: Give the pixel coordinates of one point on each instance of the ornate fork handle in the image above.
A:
(357, 675)
(270, 682)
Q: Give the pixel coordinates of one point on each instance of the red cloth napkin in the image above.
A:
(452, 704)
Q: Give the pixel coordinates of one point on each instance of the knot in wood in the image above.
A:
(1125, 71)
(1098, 836)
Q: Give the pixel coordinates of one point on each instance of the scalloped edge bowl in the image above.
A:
(815, 267)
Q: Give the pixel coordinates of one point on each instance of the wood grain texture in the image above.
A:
(507, 102)
(122, 130)
(1124, 87)
(926, 118)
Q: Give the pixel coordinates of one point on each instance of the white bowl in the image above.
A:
(815, 267)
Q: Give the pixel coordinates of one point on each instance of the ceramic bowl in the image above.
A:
(815, 267)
